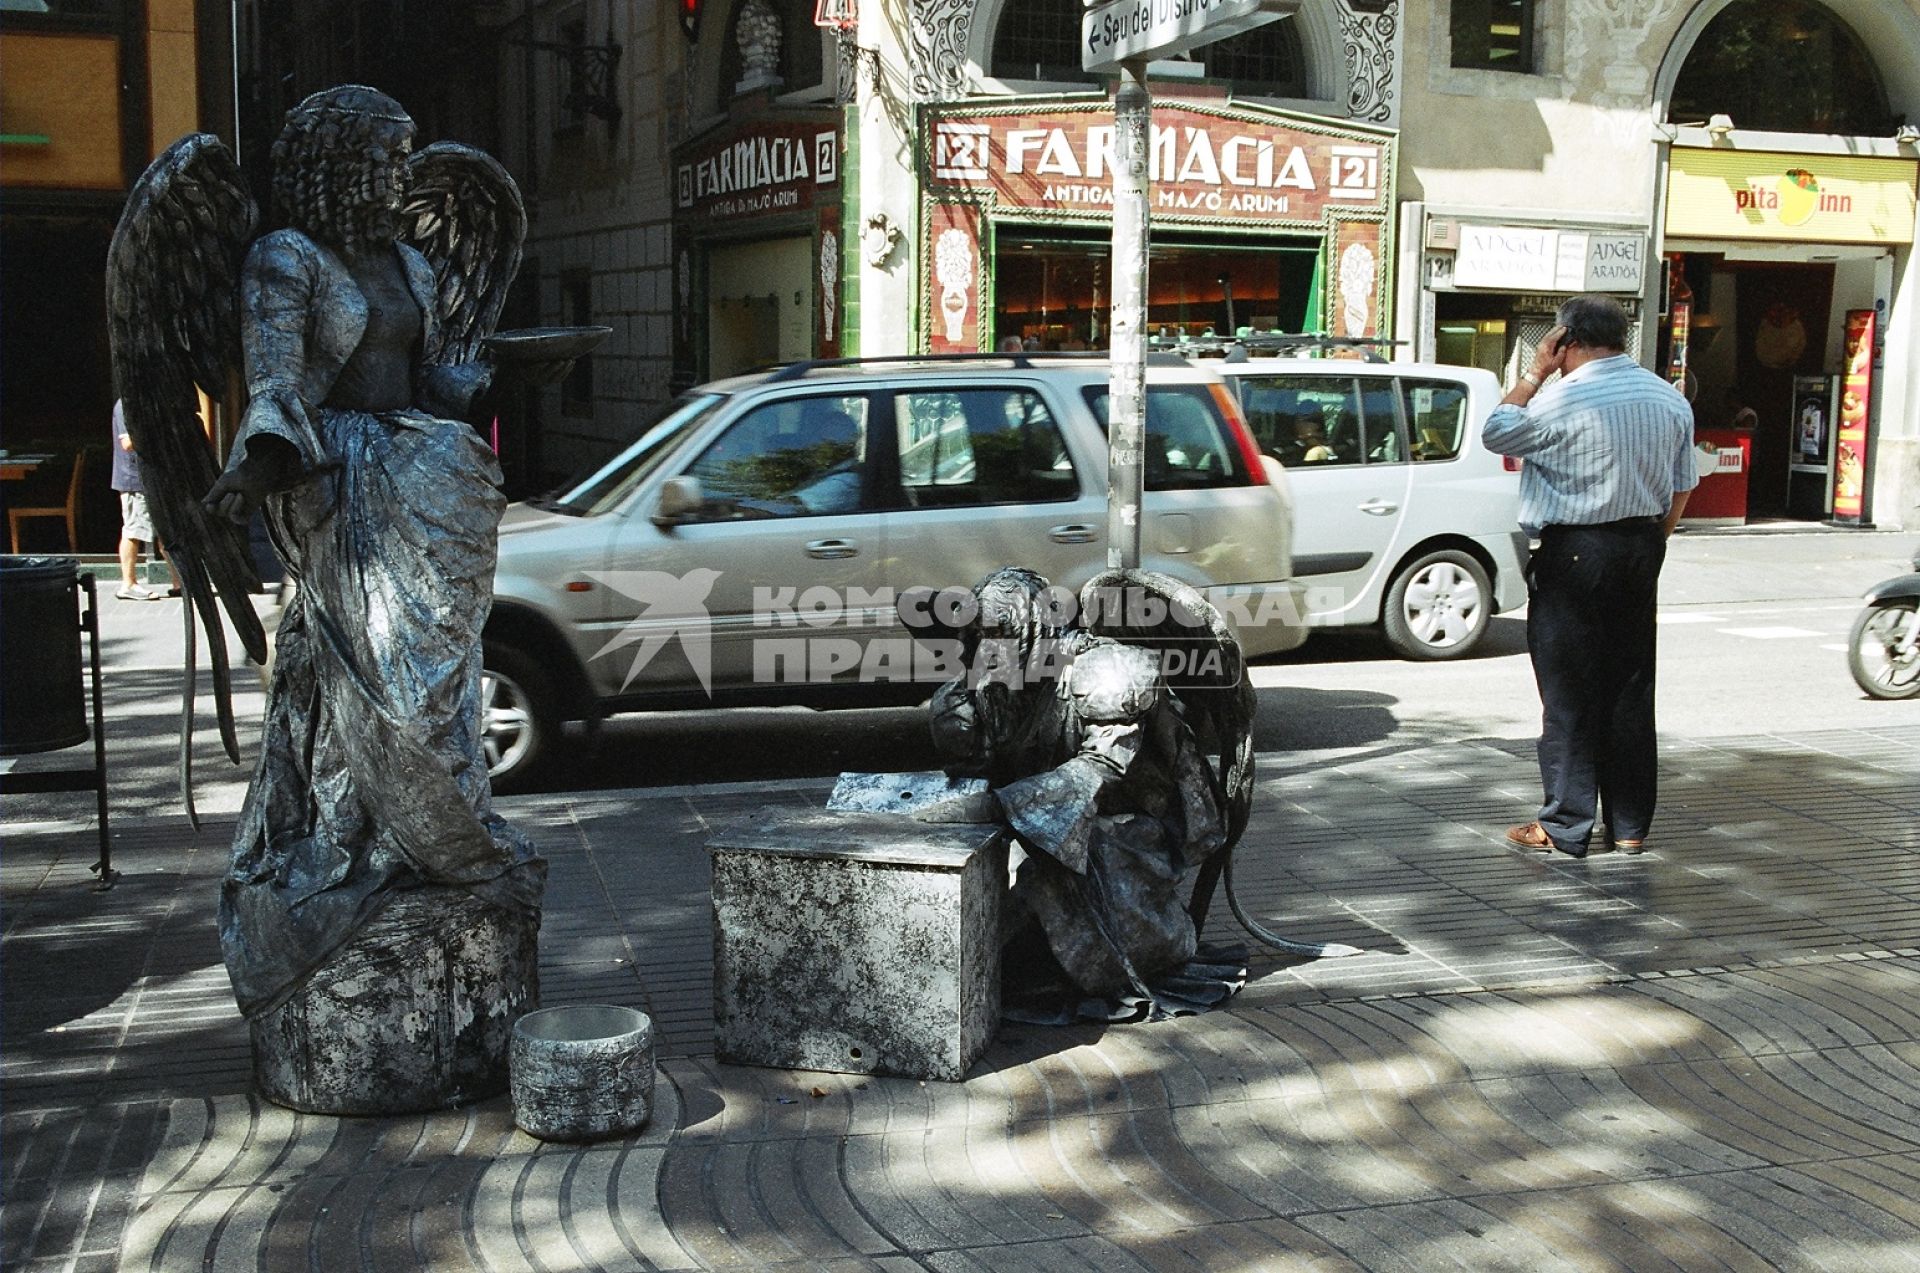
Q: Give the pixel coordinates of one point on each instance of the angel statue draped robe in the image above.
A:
(367, 845)
(1095, 764)
(371, 773)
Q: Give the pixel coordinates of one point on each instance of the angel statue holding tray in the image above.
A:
(367, 849)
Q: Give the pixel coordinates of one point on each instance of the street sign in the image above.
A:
(1126, 30)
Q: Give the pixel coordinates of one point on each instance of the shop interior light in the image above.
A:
(1720, 125)
(1907, 135)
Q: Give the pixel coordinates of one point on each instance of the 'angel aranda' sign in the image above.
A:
(1123, 30)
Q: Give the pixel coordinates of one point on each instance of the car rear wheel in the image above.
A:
(1438, 606)
(517, 717)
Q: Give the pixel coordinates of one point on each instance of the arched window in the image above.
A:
(1782, 66)
(1263, 62)
(1040, 40)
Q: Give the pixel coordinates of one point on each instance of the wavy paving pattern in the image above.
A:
(1704, 1058)
(1760, 1118)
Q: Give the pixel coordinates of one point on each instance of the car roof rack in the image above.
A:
(1248, 344)
(1023, 361)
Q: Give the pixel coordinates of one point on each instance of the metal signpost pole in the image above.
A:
(1127, 324)
(1123, 36)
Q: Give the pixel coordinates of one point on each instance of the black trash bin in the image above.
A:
(42, 694)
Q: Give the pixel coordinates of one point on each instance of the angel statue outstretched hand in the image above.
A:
(360, 326)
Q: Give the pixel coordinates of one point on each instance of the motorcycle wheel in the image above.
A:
(1880, 664)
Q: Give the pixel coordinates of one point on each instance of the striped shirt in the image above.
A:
(1607, 441)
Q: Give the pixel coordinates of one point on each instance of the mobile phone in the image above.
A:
(1561, 341)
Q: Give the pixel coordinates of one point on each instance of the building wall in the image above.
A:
(598, 196)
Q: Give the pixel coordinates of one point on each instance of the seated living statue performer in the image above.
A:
(383, 505)
(1091, 763)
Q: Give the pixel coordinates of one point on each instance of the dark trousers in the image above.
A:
(1592, 593)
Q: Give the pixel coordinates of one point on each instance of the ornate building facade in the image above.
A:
(728, 184)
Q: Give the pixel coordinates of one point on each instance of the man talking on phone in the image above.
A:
(1609, 465)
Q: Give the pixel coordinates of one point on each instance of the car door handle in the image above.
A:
(1072, 533)
(1379, 507)
(832, 549)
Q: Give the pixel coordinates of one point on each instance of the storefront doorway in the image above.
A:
(1764, 335)
(1755, 330)
(759, 305)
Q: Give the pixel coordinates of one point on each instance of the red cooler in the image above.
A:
(1721, 457)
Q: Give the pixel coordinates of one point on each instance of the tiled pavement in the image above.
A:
(1704, 1057)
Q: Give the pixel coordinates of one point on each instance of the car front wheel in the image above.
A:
(517, 717)
(1438, 606)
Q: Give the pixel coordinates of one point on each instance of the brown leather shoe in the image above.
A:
(1531, 835)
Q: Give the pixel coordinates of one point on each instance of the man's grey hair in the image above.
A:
(1594, 320)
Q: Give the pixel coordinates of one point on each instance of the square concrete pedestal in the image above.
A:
(864, 943)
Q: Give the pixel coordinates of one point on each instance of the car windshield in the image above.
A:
(607, 485)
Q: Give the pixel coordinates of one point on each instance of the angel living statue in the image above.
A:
(1116, 778)
(378, 919)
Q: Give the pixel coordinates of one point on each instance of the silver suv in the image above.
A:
(1403, 517)
(794, 536)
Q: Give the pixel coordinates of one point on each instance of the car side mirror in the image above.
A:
(680, 499)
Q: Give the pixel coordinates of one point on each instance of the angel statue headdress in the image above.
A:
(339, 166)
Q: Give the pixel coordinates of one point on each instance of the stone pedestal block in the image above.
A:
(415, 1013)
(860, 943)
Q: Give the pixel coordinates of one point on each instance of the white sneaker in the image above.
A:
(137, 592)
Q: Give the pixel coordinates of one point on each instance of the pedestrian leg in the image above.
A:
(1560, 642)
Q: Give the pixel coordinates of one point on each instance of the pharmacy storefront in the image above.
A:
(757, 244)
(1777, 292)
(1261, 220)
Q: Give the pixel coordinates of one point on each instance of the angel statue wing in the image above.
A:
(173, 274)
(463, 213)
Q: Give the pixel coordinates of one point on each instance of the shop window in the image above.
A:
(1493, 35)
(1314, 421)
(1436, 412)
(1040, 40)
(1188, 445)
(1054, 292)
(569, 95)
(1782, 66)
(794, 458)
(980, 446)
(576, 295)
